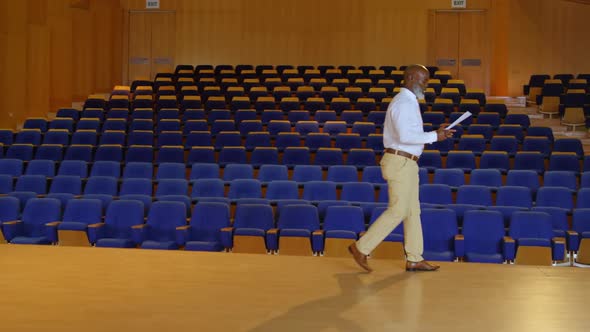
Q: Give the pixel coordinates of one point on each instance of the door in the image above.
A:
(459, 42)
(151, 44)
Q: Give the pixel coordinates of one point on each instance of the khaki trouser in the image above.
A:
(402, 178)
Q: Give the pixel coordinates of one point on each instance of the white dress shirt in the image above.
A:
(402, 129)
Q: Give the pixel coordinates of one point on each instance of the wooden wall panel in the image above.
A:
(499, 18)
(13, 78)
(38, 69)
(83, 53)
(547, 37)
(61, 54)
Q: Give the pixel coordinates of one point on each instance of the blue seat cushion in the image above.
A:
(30, 240)
(203, 246)
(484, 258)
(447, 256)
(165, 245)
(295, 232)
(104, 198)
(63, 197)
(249, 232)
(534, 242)
(392, 237)
(341, 235)
(72, 226)
(115, 243)
(212, 199)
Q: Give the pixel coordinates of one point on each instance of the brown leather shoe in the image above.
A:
(359, 257)
(420, 266)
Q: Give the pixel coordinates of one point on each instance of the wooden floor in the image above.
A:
(91, 289)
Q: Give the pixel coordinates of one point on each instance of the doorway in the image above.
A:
(459, 44)
(151, 44)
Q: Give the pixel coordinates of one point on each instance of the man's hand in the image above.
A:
(443, 134)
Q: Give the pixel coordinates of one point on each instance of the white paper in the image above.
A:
(459, 120)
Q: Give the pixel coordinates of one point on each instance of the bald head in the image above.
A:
(416, 79)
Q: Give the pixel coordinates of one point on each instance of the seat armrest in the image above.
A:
(51, 230)
(558, 248)
(573, 240)
(509, 248)
(317, 241)
(95, 232)
(459, 246)
(272, 239)
(11, 229)
(182, 234)
(227, 237)
(139, 233)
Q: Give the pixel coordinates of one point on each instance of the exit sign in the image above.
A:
(459, 3)
(152, 4)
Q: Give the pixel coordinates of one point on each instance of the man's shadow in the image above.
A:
(325, 313)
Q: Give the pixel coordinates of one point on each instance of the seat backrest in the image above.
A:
(38, 212)
(163, 218)
(207, 187)
(514, 196)
(136, 186)
(101, 185)
(34, 183)
(268, 173)
(71, 184)
(305, 173)
(486, 177)
(282, 189)
(581, 220)
(483, 231)
(86, 210)
(530, 224)
(435, 194)
(299, 216)
(342, 173)
(565, 179)
(120, 216)
(453, 177)
(258, 216)
(319, 190)
(172, 187)
(106, 168)
(9, 208)
(208, 218)
(439, 227)
(138, 170)
(349, 218)
(171, 171)
(358, 192)
(245, 188)
(474, 194)
(238, 171)
(525, 178)
(41, 167)
(555, 196)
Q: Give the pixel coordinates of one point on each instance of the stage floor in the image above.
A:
(91, 289)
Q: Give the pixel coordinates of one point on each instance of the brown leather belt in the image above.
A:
(401, 153)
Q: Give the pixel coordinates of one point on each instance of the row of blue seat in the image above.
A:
(166, 227)
(106, 188)
(454, 177)
(292, 155)
(248, 120)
